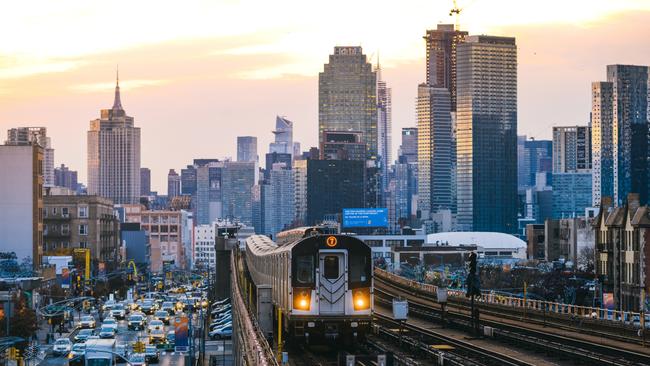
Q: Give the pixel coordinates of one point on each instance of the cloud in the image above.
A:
(16, 68)
(128, 85)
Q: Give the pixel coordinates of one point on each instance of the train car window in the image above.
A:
(331, 267)
(358, 268)
(305, 269)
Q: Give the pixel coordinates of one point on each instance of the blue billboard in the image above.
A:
(365, 217)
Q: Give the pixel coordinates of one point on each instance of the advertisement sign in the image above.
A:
(181, 332)
(365, 217)
(65, 277)
(608, 300)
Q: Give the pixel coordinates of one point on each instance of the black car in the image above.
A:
(83, 335)
(151, 354)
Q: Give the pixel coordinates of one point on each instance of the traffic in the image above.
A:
(143, 330)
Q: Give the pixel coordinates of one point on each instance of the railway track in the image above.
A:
(457, 352)
(553, 344)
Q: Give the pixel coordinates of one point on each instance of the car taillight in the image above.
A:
(302, 298)
(361, 298)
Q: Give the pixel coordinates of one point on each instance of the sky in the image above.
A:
(197, 74)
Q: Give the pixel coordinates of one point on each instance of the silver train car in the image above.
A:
(321, 283)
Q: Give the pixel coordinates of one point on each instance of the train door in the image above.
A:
(332, 282)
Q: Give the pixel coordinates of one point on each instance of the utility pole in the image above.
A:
(473, 289)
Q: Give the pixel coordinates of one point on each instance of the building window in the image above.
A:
(83, 211)
(64, 211)
(53, 210)
(44, 212)
(83, 244)
(83, 229)
(65, 229)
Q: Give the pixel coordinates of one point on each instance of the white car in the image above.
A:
(155, 324)
(107, 332)
(87, 322)
(110, 323)
(118, 312)
(62, 347)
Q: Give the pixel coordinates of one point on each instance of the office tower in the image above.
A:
(441, 45)
(277, 200)
(384, 126)
(114, 155)
(21, 201)
(283, 132)
(81, 222)
(296, 150)
(188, 180)
(571, 149)
(238, 179)
(347, 98)
(630, 126)
(338, 145)
(246, 148)
(64, 177)
(173, 184)
(208, 203)
(274, 158)
(601, 141)
(300, 190)
(487, 134)
(145, 181)
(28, 135)
(409, 147)
(434, 149)
(165, 236)
(533, 157)
(333, 185)
(572, 180)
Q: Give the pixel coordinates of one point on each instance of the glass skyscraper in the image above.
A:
(487, 134)
(347, 97)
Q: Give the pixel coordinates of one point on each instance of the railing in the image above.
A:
(250, 345)
(625, 317)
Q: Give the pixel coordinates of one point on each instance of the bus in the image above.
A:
(100, 352)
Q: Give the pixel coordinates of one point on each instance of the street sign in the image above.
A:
(181, 331)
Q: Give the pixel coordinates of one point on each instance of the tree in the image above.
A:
(586, 257)
(23, 322)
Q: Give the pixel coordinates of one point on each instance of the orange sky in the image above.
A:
(196, 74)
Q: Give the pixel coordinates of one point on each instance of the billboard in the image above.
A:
(181, 332)
(65, 278)
(365, 217)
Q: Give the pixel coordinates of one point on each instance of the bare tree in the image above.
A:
(586, 258)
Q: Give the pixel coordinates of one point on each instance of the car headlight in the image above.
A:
(302, 298)
(361, 299)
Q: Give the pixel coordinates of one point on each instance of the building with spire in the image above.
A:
(114, 154)
(384, 126)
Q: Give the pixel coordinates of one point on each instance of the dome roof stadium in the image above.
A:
(481, 239)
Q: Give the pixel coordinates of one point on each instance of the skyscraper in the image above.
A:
(173, 184)
(64, 177)
(630, 131)
(114, 155)
(238, 179)
(246, 148)
(384, 126)
(487, 134)
(29, 135)
(409, 147)
(208, 200)
(441, 45)
(283, 132)
(434, 150)
(571, 149)
(277, 200)
(145, 181)
(300, 190)
(620, 134)
(533, 157)
(347, 97)
(601, 141)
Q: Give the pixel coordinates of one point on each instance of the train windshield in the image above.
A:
(305, 269)
(359, 270)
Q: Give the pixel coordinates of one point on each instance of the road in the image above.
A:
(127, 337)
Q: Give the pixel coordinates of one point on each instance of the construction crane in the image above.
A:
(456, 10)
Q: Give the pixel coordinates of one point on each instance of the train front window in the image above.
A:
(358, 268)
(331, 267)
(305, 269)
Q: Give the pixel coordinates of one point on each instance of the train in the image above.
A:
(321, 283)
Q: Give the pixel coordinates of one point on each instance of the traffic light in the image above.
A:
(16, 353)
(138, 347)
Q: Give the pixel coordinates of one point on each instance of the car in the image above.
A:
(163, 316)
(151, 354)
(82, 336)
(224, 332)
(137, 359)
(76, 356)
(110, 323)
(107, 332)
(136, 322)
(221, 309)
(118, 311)
(220, 323)
(148, 307)
(221, 302)
(156, 336)
(168, 306)
(122, 350)
(87, 321)
(62, 347)
(155, 324)
(108, 305)
(222, 315)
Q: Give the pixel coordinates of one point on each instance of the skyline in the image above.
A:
(203, 83)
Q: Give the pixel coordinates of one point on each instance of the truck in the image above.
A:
(100, 352)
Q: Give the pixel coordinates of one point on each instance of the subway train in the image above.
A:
(321, 283)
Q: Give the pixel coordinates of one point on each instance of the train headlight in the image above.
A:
(302, 299)
(361, 299)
